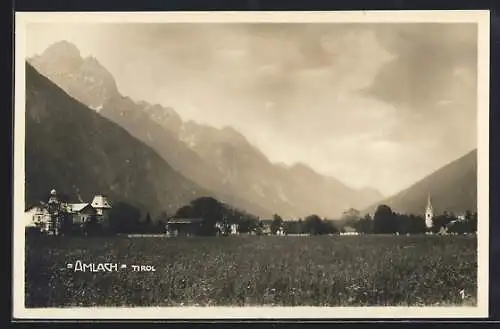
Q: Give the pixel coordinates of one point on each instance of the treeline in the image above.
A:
(386, 221)
(124, 218)
(312, 225)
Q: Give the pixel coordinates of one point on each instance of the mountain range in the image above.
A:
(221, 161)
(75, 150)
(452, 188)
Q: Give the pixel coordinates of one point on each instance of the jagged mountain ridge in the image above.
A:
(78, 152)
(200, 152)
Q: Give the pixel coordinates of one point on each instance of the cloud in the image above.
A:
(372, 104)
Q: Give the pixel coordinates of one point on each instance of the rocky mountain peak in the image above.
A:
(62, 49)
(83, 78)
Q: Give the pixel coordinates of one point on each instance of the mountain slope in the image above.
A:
(290, 190)
(220, 160)
(75, 150)
(453, 188)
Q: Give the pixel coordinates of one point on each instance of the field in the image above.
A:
(252, 270)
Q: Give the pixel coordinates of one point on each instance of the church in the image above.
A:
(429, 213)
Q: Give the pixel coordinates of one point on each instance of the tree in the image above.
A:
(473, 223)
(364, 225)
(417, 224)
(441, 221)
(351, 216)
(300, 226)
(160, 222)
(276, 224)
(384, 221)
(211, 211)
(327, 227)
(208, 209)
(403, 223)
(123, 218)
(247, 224)
(313, 225)
(147, 224)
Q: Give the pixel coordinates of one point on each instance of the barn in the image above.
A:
(183, 226)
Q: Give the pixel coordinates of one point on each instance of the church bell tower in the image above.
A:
(429, 213)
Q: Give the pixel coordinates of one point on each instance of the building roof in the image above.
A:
(39, 205)
(78, 207)
(100, 201)
(349, 229)
(184, 220)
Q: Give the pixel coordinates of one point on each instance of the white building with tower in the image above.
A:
(429, 213)
(47, 216)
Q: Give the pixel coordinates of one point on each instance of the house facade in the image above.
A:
(37, 216)
(102, 206)
(81, 213)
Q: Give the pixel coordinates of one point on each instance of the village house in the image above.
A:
(192, 226)
(266, 227)
(183, 226)
(234, 229)
(348, 230)
(37, 215)
(101, 204)
(81, 212)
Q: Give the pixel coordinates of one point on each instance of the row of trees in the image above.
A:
(386, 221)
(125, 218)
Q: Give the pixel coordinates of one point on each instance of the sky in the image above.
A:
(373, 105)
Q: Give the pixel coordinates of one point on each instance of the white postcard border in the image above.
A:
(479, 17)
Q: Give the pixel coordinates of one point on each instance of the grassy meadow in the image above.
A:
(254, 270)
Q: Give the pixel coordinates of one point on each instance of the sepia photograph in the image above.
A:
(251, 165)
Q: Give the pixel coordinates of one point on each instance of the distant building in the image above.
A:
(37, 216)
(101, 204)
(266, 227)
(429, 213)
(81, 213)
(49, 217)
(224, 228)
(183, 226)
(234, 229)
(349, 230)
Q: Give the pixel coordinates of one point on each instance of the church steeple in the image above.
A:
(429, 204)
(429, 212)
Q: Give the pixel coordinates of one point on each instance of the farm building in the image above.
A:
(348, 230)
(81, 212)
(232, 229)
(183, 226)
(266, 227)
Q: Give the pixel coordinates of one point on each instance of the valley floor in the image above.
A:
(253, 270)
